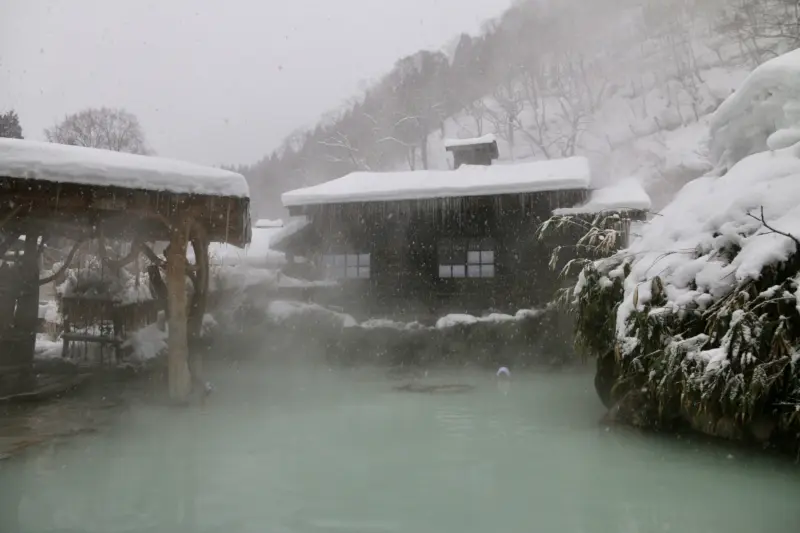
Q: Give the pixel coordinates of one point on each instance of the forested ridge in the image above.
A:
(576, 77)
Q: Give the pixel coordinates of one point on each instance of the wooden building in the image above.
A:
(477, 151)
(425, 243)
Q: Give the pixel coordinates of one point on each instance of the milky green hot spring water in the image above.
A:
(309, 449)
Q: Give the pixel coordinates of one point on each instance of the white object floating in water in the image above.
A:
(503, 371)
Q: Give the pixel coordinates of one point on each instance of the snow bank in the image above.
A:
(625, 194)
(467, 180)
(455, 143)
(449, 321)
(687, 246)
(147, 343)
(763, 114)
(280, 311)
(380, 323)
(90, 166)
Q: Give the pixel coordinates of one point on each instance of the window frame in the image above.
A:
(457, 259)
(347, 265)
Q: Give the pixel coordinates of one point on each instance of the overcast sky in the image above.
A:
(213, 81)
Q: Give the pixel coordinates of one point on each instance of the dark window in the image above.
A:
(466, 258)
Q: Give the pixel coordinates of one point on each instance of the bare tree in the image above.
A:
(345, 151)
(111, 129)
(510, 104)
(477, 111)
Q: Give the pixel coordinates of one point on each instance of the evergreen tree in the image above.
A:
(9, 125)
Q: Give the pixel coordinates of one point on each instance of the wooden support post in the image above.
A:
(197, 309)
(180, 383)
(26, 320)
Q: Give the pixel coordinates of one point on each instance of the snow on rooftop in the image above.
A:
(467, 180)
(257, 254)
(625, 194)
(455, 143)
(294, 225)
(90, 166)
(267, 223)
(763, 114)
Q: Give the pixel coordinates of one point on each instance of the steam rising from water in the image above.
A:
(297, 446)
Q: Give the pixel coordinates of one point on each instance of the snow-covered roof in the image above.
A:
(467, 180)
(456, 143)
(625, 194)
(90, 166)
(294, 225)
(267, 223)
(763, 114)
(257, 254)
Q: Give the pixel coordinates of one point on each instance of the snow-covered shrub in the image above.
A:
(700, 314)
(95, 280)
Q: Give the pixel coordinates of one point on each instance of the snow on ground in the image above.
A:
(625, 194)
(764, 114)
(90, 166)
(467, 180)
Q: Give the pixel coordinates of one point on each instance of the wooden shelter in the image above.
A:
(50, 191)
(477, 151)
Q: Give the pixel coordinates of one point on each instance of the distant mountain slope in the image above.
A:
(629, 83)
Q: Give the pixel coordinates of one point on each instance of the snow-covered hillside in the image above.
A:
(644, 112)
(629, 84)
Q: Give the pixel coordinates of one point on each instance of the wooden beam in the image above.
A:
(180, 382)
